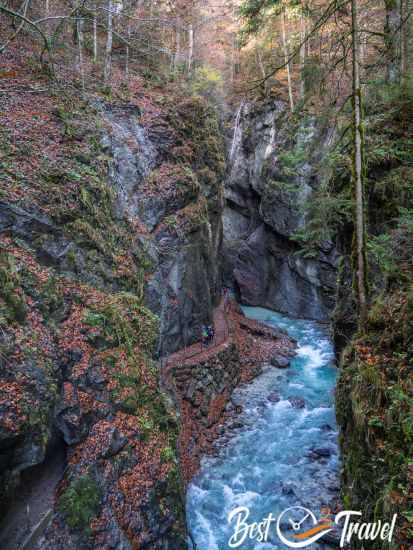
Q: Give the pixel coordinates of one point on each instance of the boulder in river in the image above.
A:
(274, 397)
(320, 452)
(296, 402)
(326, 428)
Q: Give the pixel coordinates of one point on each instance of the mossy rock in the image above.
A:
(80, 502)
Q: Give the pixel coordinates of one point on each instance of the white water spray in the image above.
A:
(237, 131)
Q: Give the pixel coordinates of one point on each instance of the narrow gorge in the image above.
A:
(95, 295)
(206, 305)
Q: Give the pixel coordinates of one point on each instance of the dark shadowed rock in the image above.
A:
(116, 442)
(296, 402)
(319, 453)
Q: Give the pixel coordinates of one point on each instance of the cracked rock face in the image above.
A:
(180, 213)
(273, 175)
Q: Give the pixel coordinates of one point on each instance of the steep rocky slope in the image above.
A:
(110, 213)
(375, 392)
(274, 171)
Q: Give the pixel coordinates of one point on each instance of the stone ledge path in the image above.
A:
(198, 352)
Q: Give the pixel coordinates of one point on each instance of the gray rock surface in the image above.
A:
(273, 174)
(186, 264)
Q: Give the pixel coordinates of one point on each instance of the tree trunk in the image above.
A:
(95, 36)
(177, 56)
(361, 269)
(287, 63)
(392, 38)
(108, 52)
(79, 29)
(128, 34)
(302, 55)
(190, 48)
(260, 63)
(404, 10)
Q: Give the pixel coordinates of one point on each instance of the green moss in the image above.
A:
(12, 302)
(168, 455)
(80, 503)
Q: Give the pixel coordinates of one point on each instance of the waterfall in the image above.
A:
(237, 131)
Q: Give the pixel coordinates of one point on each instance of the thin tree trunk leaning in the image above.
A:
(392, 38)
(286, 58)
(109, 38)
(361, 267)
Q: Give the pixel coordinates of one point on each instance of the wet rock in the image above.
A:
(285, 526)
(296, 402)
(292, 374)
(261, 219)
(332, 538)
(237, 424)
(288, 489)
(274, 397)
(320, 453)
(279, 361)
(326, 428)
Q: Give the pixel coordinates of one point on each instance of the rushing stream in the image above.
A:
(280, 455)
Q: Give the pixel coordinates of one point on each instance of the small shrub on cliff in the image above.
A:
(123, 321)
(206, 81)
(80, 502)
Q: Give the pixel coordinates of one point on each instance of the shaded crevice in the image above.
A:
(35, 498)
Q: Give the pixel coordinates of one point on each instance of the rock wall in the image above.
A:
(273, 173)
(120, 221)
(168, 175)
(203, 391)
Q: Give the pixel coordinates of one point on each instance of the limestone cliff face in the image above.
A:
(109, 257)
(168, 176)
(273, 173)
